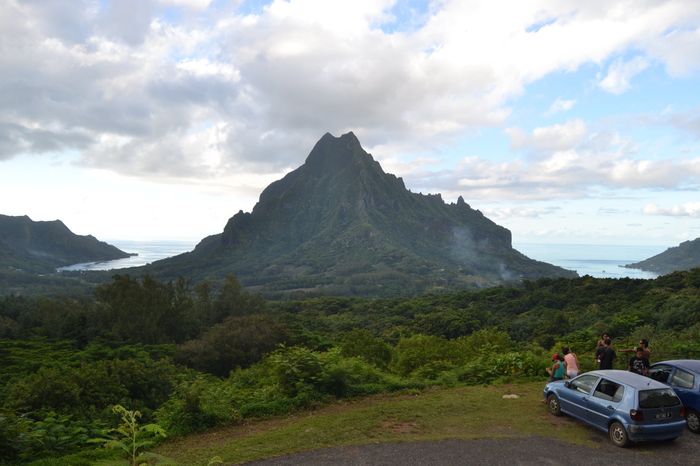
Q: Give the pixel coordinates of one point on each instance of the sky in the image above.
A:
(564, 121)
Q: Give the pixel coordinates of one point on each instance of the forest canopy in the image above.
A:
(192, 357)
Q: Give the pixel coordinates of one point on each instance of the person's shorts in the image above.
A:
(571, 374)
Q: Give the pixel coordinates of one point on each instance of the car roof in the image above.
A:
(688, 364)
(629, 378)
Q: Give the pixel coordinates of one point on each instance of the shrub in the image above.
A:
(343, 377)
(237, 342)
(488, 368)
(418, 350)
(363, 344)
(196, 406)
(297, 369)
(13, 436)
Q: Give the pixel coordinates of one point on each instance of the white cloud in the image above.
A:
(504, 213)
(549, 138)
(560, 105)
(689, 209)
(620, 73)
(678, 49)
(139, 99)
(569, 162)
(193, 4)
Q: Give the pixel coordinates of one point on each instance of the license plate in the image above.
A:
(665, 415)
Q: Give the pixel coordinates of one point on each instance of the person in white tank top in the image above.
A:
(571, 360)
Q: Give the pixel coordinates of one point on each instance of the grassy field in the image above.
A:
(457, 413)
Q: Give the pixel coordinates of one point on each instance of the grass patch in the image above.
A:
(436, 414)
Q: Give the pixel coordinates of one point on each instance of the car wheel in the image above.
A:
(618, 434)
(693, 421)
(553, 405)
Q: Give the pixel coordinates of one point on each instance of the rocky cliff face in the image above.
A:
(339, 224)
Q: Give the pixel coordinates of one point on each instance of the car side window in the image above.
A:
(609, 391)
(584, 383)
(660, 373)
(683, 379)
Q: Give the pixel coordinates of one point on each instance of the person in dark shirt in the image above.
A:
(607, 356)
(639, 364)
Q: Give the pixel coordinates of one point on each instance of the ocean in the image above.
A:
(597, 260)
(147, 252)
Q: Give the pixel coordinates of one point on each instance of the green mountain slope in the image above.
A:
(685, 256)
(42, 246)
(340, 225)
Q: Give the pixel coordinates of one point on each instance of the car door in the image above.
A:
(661, 372)
(604, 402)
(683, 383)
(574, 397)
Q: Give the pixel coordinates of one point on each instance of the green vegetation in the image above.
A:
(195, 358)
(131, 438)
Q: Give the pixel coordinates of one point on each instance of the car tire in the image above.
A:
(692, 419)
(553, 405)
(618, 435)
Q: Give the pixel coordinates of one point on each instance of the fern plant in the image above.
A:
(132, 438)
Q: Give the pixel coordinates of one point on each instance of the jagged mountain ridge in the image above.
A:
(685, 256)
(43, 246)
(340, 224)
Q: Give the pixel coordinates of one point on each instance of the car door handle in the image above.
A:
(611, 408)
(584, 399)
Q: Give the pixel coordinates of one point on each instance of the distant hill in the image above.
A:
(685, 256)
(41, 247)
(339, 225)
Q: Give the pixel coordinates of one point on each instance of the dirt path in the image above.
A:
(519, 451)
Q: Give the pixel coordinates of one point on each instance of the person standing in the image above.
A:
(558, 369)
(571, 361)
(600, 347)
(639, 363)
(644, 345)
(607, 356)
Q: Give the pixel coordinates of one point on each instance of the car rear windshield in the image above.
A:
(661, 398)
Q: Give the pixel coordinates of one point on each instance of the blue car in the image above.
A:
(628, 406)
(684, 377)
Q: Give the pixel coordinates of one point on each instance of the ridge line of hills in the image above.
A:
(685, 256)
(336, 225)
(42, 246)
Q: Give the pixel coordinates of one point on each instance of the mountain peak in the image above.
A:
(339, 224)
(334, 153)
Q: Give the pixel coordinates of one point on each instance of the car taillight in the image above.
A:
(682, 413)
(636, 415)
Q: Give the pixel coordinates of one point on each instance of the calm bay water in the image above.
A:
(148, 251)
(597, 260)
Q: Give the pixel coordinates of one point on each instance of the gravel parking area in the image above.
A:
(507, 451)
